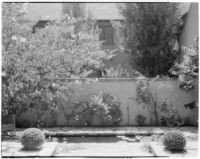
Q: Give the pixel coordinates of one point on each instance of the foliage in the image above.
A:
(151, 32)
(11, 16)
(146, 96)
(152, 138)
(119, 33)
(188, 69)
(167, 109)
(32, 138)
(85, 117)
(191, 105)
(146, 147)
(66, 48)
(140, 119)
(174, 141)
(118, 72)
(106, 108)
(64, 101)
(170, 116)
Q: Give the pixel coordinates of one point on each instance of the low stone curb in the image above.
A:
(191, 150)
(96, 134)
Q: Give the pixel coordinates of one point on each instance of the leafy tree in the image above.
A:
(35, 64)
(151, 32)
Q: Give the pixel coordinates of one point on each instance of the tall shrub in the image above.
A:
(151, 33)
(33, 62)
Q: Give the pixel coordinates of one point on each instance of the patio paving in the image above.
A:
(15, 149)
(118, 146)
(119, 149)
(191, 150)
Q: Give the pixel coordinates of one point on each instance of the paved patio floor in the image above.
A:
(106, 146)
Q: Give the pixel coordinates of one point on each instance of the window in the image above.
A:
(107, 33)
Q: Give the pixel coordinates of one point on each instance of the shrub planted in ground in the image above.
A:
(107, 109)
(174, 141)
(140, 119)
(32, 138)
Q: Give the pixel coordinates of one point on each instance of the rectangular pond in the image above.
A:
(116, 146)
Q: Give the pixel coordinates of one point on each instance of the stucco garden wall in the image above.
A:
(125, 91)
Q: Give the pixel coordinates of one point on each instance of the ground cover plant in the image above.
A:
(31, 62)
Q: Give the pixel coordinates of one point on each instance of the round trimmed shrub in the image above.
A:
(174, 141)
(32, 138)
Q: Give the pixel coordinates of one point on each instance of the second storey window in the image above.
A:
(107, 32)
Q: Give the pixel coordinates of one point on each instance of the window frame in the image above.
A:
(103, 24)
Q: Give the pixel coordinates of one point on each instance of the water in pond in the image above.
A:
(83, 139)
(98, 146)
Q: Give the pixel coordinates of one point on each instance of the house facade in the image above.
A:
(39, 14)
(190, 31)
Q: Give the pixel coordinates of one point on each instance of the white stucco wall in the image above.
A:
(125, 91)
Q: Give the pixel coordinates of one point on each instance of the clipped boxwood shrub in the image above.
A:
(174, 141)
(32, 138)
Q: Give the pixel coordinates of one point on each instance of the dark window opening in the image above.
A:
(107, 32)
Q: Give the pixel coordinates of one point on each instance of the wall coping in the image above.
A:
(112, 79)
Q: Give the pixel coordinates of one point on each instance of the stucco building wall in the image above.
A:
(190, 30)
